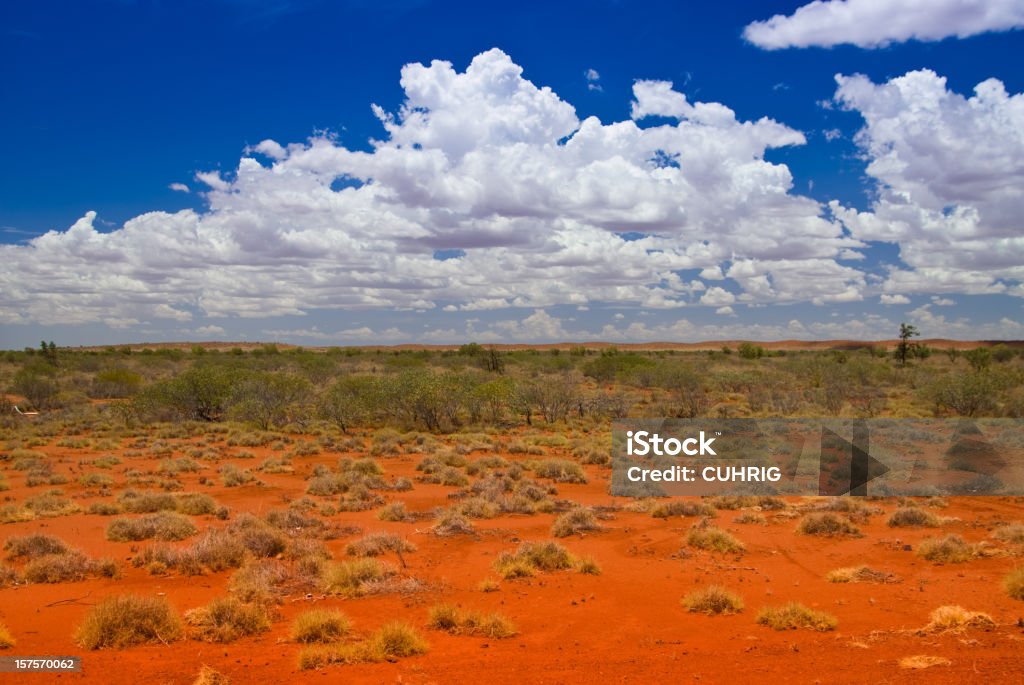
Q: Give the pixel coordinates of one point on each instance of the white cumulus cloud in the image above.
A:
(877, 23)
(949, 171)
(530, 203)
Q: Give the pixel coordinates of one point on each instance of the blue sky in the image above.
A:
(815, 209)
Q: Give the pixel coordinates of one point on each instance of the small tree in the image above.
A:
(351, 400)
(37, 382)
(266, 398)
(688, 388)
(905, 347)
(751, 351)
(980, 358)
(200, 393)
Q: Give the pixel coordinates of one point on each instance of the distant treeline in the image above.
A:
(445, 390)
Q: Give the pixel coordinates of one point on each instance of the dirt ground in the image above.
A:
(626, 625)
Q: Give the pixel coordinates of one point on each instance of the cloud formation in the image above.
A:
(534, 204)
(487, 192)
(877, 23)
(949, 172)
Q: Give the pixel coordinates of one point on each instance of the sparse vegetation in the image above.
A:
(451, 619)
(6, 639)
(125, 620)
(208, 676)
(320, 625)
(531, 558)
(713, 600)
(858, 574)
(714, 539)
(827, 524)
(578, 520)
(226, 619)
(952, 618)
(951, 549)
(1013, 583)
(163, 525)
(349, 578)
(913, 517)
(795, 615)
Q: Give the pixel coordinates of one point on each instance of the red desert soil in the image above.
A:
(624, 626)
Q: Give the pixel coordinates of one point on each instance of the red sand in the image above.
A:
(624, 626)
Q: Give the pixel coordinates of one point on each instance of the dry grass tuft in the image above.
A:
(489, 585)
(588, 566)
(532, 557)
(795, 615)
(682, 508)
(913, 517)
(859, 574)
(951, 549)
(1011, 532)
(320, 625)
(827, 524)
(226, 619)
(713, 601)
(208, 676)
(397, 640)
(921, 661)
(163, 525)
(713, 539)
(453, 620)
(6, 639)
(952, 618)
(351, 578)
(390, 643)
(579, 520)
(126, 620)
(34, 546)
(1013, 583)
(376, 544)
